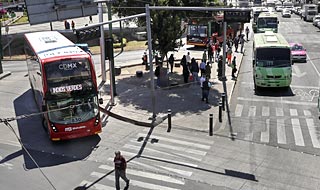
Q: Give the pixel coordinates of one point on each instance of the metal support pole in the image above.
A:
(1, 55)
(169, 120)
(220, 112)
(224, 81)
(102, 45)
(223, 78)
(223, 99)
(150, 62)
(111, 61)
(211, 124)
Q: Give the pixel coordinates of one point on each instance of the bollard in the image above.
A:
(220, 112)
(211, 124)
(169, 120)
(223, 97)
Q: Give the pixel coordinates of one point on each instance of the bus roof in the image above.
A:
(268, 15)
(270, 39)
(51, 44)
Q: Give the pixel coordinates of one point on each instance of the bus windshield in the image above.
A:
(273, 57)
(68, 77)
(72, 110)
(197, 30)
(267, 22)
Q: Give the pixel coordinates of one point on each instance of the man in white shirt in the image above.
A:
(188, 58)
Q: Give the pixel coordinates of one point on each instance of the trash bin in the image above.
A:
(139, 74)
(117, 70)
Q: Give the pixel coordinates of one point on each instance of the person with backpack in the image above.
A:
(205, 86)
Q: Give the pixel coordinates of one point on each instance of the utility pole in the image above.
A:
(111, 61)
(102, 44)
(1, 55)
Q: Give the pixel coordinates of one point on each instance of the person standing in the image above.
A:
(241, 41)
(229, 55)
(234, 68)
(194, 70)
(120, 166)
(203, 68)
(171, 62)
(185, 69)
(204, 56)
(247, 32)
(73, 25)
(188, 58)
(236, 43)
(205, 90)
(208, 70)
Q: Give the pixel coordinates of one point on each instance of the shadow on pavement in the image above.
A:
(35, 139)
(135, 93)
(274, 92)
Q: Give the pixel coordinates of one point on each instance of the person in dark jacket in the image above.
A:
(120, 166)
(205, 90)
(185, 69)
(171, 61)
(194, 70)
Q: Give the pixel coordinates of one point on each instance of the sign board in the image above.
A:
(237, 16)
(44, 11)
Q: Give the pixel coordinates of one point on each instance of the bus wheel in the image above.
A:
(45, 125)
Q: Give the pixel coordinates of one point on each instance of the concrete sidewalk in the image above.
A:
(133, 102)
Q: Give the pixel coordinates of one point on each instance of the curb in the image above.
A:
(4, 74)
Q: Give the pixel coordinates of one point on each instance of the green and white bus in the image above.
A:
(272, 60)
(267, 21)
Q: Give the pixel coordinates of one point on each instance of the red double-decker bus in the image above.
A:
(198, 31)
(63, 79)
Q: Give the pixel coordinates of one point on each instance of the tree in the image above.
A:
(166, 25)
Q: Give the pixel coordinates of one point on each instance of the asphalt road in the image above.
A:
(286, 118)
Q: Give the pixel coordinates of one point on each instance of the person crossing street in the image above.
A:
(120, 166)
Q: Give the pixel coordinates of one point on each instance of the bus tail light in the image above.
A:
(54, 128)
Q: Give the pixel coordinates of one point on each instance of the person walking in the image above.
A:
(185, 69)
(202, 68)
(236, 43)
(234, 68)
(194, 70)
(208, 70)
(206, 85)
(204, 56)
(210, 53)
(73, 25)
(157, 74)
(120, 166)
(247, 32)
(90, 19)
(241, 41)
(188, 59)
(171, 62)
(229, 55)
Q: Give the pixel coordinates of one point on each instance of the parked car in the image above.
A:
(299, 53)
(279, 8)
(286, 13)
(315, 20)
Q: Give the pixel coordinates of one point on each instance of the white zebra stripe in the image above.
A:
(238, 110)
(252, 111)
(313, 133)
(279, 112)
(265, 111)
(265, 134)
(298, 137)
(147, 175)
(96, 186)
(281, 132)
(293, 112)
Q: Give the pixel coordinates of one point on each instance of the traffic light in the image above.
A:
(108, 50)
(86, 34)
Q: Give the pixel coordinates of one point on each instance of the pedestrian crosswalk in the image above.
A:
(166, 161)
(275, 124)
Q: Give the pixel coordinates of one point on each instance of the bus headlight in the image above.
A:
(96, 122)
(53, 127)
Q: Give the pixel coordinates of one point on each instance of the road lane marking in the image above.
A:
(96, 186)
(293, 112)
(265, 111)
(277, 101)
(252, 111)
(307, 113)
(314, 132)
(238, 110)
(281, 131)
(298, 137)
(279, 112)
(265, 134)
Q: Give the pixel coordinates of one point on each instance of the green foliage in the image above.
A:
(166, 25)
